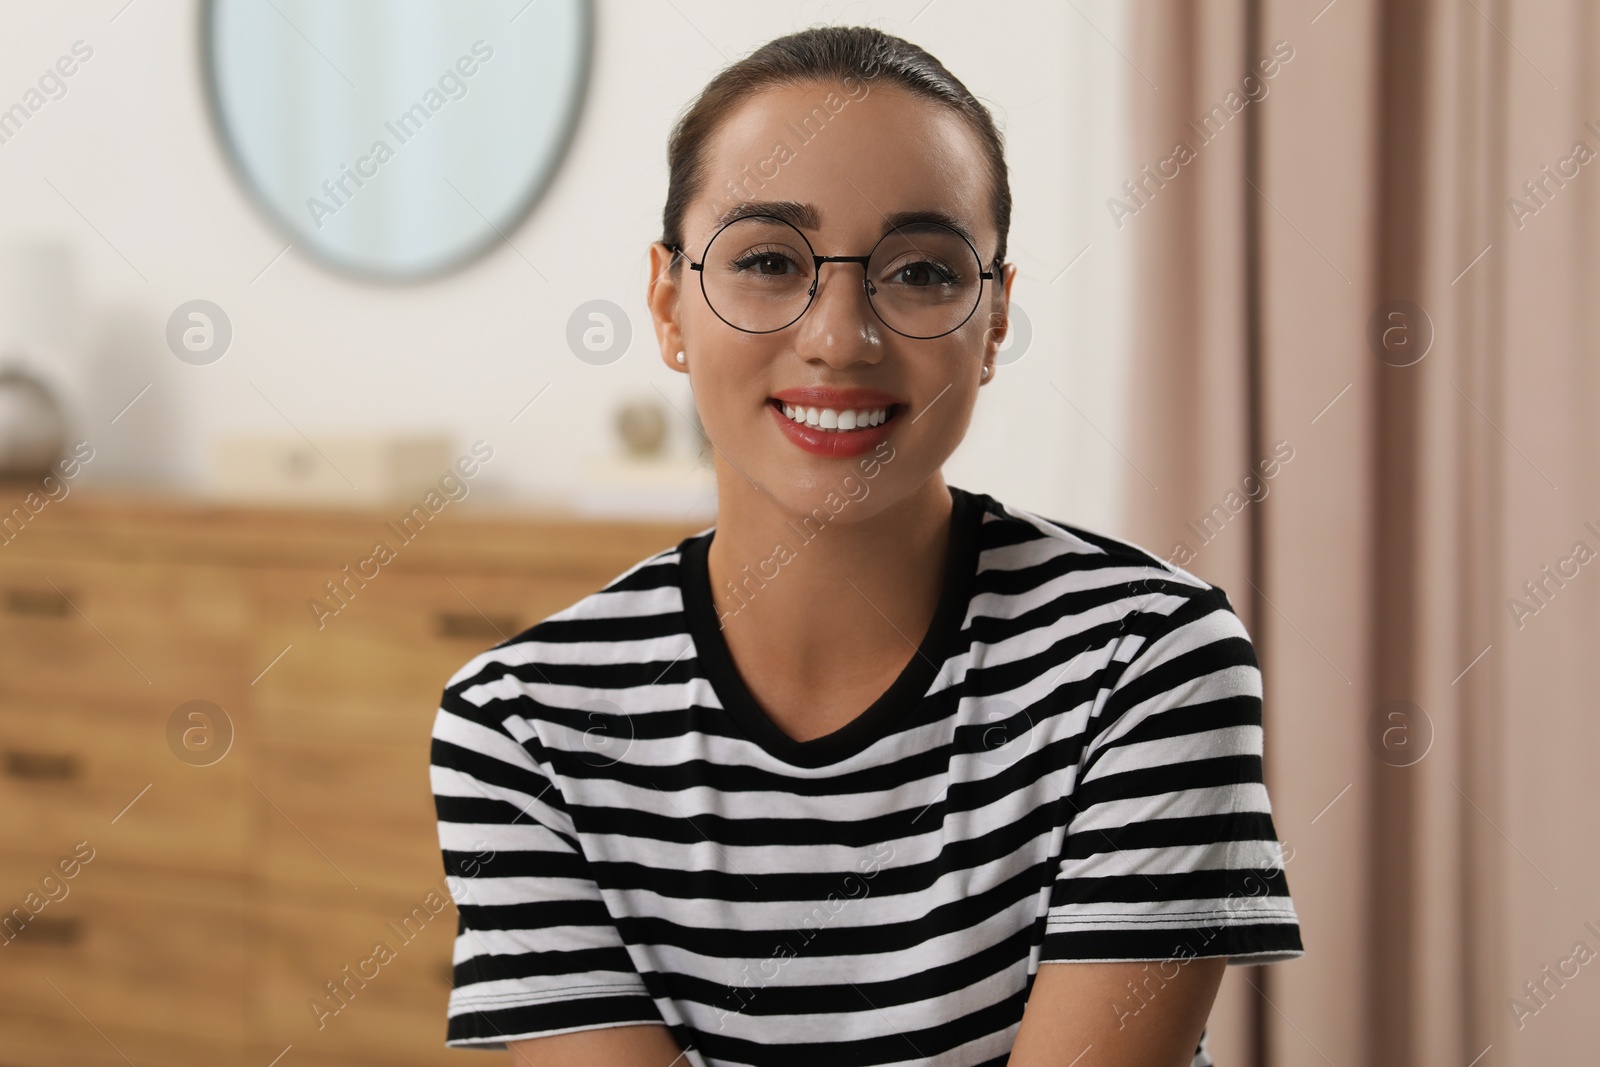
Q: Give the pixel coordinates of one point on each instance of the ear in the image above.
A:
(662, 297)
(999, 316)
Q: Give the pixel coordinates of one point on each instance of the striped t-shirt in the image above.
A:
(1068, 768)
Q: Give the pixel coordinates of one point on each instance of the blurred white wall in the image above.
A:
(124, 173)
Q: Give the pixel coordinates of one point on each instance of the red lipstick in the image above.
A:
(836, 443)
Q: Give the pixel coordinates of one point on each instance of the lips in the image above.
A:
(821, 440)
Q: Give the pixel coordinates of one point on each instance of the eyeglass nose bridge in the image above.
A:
(816, 275)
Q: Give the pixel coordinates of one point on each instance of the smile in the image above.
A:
(835, 432)
(836, 419)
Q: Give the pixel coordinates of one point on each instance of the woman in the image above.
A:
(875, 769)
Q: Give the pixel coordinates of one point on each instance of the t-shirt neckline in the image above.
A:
(891, 706)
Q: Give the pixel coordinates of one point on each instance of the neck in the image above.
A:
(835, 580)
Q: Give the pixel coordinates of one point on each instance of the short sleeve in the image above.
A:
(536, 951)
(1170, 851)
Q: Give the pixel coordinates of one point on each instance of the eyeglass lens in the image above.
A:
(922, 280)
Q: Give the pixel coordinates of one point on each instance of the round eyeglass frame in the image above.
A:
(818, 261)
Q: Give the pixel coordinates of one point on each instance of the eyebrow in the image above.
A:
(805, 216)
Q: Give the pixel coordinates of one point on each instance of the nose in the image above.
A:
(840, 326)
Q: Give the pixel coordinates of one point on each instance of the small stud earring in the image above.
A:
(680, 357)
(986, 372)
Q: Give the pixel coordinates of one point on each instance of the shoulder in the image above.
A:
(610, 626)
(1169, 654)
(1028, 560)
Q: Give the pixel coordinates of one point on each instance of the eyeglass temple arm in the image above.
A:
(677, 250)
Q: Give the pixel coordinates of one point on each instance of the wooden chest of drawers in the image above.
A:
(247, 775)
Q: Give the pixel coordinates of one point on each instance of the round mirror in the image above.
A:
(396, 139)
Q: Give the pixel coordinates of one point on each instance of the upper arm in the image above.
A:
(1170, 859)
(616, 1046)
(1087, 1015)
(1170, 849)
(537, 951)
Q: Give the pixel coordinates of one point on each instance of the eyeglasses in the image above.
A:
(759, 275)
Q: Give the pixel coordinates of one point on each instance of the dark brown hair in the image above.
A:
(824, 53)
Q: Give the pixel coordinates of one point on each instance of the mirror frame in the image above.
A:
(279, 224)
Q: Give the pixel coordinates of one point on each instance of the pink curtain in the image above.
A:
(1365, 397)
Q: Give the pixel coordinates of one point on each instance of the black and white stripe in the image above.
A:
(1068, 769)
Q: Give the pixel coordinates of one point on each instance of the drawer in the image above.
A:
(356, 821)
(39, 1042)
(149, 961)
(338, 999)
(104, 629)
(379, 665)
(72, 770)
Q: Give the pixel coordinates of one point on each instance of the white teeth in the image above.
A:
(836, 419)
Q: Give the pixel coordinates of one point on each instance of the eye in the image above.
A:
(766, 262)
(923, 273)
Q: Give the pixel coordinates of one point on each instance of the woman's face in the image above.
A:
(873, 152)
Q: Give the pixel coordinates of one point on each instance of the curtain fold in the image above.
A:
(1365, 404)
